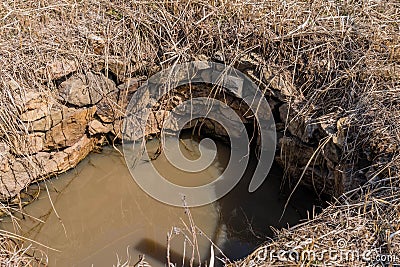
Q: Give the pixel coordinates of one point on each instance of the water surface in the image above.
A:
(98, 213)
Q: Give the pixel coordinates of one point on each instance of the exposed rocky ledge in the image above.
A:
(61, 129)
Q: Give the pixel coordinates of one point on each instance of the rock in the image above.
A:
(210, 127)
(4, 148)
(23, 171)
(155, 121)
(299, 161)
(290, 151)
(126, 91)
(60, 68)
(340, 136)
(20, 100)
(308, 130)
(42, 113)
(139, 128)
(280, 82)
(332, 152)
(83, 90)
(233, 84)
(117, 129)
(108, 109)
(74, 154)
(97, 43)
(118, 67)
(75, 91)
(115, 65)
(33, 101)
(96, 127)
(52, 118)
(219, 56)
(34, 115)
(200, 57)
(13, 85)
(4, 157)
(70, 129)
(15, 179)
(249, 61)
(27, 144)
(130, 86)
(61, 161)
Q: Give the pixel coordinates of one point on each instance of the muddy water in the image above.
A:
(96, 213)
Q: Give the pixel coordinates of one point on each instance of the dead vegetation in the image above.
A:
(12, 253)
(342, 56)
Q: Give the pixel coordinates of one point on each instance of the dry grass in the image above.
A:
(13, 254)
(350, 227)
(343, 57)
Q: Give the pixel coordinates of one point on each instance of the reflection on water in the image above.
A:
(99, 213)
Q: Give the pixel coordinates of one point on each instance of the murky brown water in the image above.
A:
(99, 212)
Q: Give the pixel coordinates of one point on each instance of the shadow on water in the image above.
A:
(153, 248)
(247, 219)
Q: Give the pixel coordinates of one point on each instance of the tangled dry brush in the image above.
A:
(343, 58)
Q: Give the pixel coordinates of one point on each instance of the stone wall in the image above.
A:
(63, 127)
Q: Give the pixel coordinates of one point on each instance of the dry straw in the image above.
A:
(343, 57)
